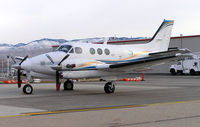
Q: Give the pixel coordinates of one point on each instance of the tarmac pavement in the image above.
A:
(160, 100)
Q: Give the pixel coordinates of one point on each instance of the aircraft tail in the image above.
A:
(160, 40)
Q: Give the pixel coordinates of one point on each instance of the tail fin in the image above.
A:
(160, 40)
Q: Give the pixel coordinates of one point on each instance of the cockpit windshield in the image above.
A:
(64, 48)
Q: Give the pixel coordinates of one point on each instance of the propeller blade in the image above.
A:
(19, 78)
(23, 60)
(19, 72)
(57, 77)
(63, 59)
(13, 59)
(50, 58)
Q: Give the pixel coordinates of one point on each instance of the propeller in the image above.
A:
(57, 67)
(18, 67)
(13, 59)
(19, 72)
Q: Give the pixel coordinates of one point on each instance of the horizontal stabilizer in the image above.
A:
(170, 52)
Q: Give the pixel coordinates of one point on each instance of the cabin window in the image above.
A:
(78, 50)
(92, 51)
(107, 51)
(99, 51)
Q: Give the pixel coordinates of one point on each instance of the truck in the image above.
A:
(189, 65)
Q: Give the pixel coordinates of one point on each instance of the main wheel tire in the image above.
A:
(173, 72)
(68, 85)
(28, 89)
(192, 72)
(182, 73)
(109, 87)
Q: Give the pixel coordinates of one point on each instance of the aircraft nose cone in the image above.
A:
(26, 65)
(16, 66)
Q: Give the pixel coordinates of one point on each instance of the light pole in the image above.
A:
(2, 67)
(181, 36)
(8, 60)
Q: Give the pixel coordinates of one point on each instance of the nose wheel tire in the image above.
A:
(28, 89)
(109, 87)
(68, 85)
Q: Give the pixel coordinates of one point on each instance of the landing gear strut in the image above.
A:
(27, 89)
(68, 85)
(109, 87)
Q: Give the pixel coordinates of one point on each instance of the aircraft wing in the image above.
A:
(153, 59)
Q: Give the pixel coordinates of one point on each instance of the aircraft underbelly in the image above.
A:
(42, 76)
(87, 74)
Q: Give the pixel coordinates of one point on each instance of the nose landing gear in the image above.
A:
(28, 89)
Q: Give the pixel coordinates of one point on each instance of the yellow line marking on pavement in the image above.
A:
(9, 116)
(83, 110)
(175, 102)
(96, 109)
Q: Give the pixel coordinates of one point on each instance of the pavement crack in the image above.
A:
(156, 121)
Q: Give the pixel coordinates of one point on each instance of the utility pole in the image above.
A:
(2, 67)
(181, 35)
(8, 57)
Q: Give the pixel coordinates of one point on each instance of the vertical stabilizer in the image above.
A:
(160, 40)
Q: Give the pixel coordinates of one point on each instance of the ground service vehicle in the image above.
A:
(188, 65)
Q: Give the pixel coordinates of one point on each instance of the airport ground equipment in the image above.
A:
(189, 65)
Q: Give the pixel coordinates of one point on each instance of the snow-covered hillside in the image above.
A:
(37, 44)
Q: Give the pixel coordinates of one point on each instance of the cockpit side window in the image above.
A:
(64, 48)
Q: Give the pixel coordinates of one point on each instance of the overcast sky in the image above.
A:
(28, 20)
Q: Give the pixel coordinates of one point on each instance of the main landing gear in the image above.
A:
(68, 85)
(109, 87)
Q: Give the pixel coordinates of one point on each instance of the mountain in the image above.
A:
(42, 43)
(19, 45)
(5, 46)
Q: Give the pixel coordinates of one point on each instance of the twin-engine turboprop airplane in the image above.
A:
(86, 60)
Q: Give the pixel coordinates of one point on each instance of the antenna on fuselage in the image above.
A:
(106, 39)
